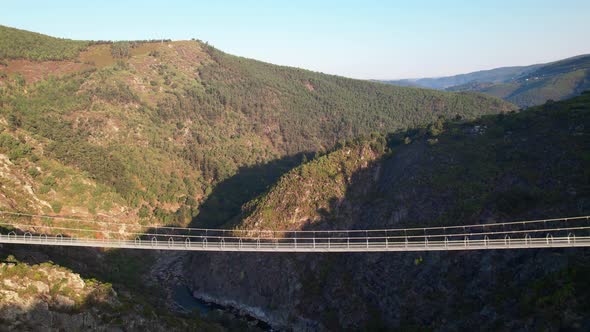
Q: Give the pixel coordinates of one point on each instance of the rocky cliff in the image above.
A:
(49, 297)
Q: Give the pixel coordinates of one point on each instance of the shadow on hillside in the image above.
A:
(127, 269)
(361, 188)
(223, 206)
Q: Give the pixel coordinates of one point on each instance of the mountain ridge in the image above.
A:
(159, 124)
(524, 86)
(493, 75)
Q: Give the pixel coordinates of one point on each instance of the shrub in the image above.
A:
(50, 181)
(436, 128)
(44, 189)
(144, 212)
(34, 172)
(120, 50)
(56, 206)
(13, 147)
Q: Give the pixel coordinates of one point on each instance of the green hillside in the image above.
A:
(21, 44)
(554, 81)
(559, 67)
(156, 127)
(524, 86)
(508, 166)
(532, 164)
(496, 75)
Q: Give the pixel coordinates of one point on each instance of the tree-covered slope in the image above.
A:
(524, 86)
(505, 166)
(527, 165)
(159, 124)
(552, 82)
(21, 44)
(496, 75)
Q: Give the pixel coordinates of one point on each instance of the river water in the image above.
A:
(184, 298)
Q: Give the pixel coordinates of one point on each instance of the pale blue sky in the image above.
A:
(361, 39)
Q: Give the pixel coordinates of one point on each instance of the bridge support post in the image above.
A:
(571, 239)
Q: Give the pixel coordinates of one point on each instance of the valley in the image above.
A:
(152, 133)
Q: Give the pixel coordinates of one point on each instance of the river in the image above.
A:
(226, 316)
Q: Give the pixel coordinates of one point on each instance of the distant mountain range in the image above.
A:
(524, 86)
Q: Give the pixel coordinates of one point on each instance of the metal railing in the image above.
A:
(313, 245)
(563, 232)
(559, 232)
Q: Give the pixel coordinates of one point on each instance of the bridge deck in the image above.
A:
(544, 233)
(291, 245)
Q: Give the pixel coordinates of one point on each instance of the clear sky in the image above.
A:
(362, 39)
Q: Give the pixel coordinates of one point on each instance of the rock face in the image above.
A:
(442, 291)
(48, 297)
(267, 287)
(45, 296)
(524, 166)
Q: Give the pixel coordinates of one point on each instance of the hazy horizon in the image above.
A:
(366, 40)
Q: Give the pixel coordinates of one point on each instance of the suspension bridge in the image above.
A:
(30, 229)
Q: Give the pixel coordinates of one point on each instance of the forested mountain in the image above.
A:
(524, 86)
(497, 75)
(163, 132)
(148, 129)
(527, 165)
(179, 132)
